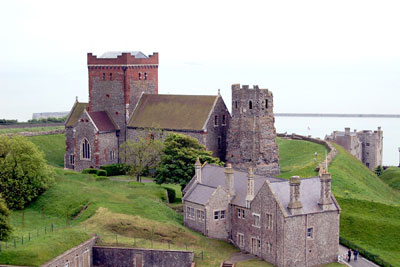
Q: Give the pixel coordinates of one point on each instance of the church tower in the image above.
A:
(252, 134)
(116, 81)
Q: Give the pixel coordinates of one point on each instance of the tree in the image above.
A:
(177, 163)
(5, 226)
(24, 173)
(141, 156)
(378, 170)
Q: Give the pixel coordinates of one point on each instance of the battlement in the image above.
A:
(124, 58)
(236, 87)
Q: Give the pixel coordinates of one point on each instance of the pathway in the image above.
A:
(240, 256)
(132, 180)
(361, 261)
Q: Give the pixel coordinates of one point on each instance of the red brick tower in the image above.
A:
(116, 81)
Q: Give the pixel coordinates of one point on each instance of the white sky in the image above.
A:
(315, 56)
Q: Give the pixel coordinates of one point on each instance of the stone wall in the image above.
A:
(252, 134)
(29, 134)
(195, 223)
(128, 257)
(30, 125)
(218, 228)
(79, 256)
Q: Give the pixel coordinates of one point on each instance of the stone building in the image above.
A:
(252, 135)
(124, 104)
(287, 223)
(366, 145)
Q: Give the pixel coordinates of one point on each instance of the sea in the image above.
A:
(322, 126)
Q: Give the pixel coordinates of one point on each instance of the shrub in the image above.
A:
(89, 171)
(114, 169)
(171, 194)
(102, 178)
(101, 172)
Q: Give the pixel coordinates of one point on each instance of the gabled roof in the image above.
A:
(173, 112)
(310, 192)
(214, 176)
(200, 194)
(102, 121)
(115, 54)
(75, 113)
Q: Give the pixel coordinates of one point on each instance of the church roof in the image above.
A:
(75, 113)
(102, 121)
(115, 54)
(173, 112)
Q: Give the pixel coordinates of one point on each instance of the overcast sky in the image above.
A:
(315, 56)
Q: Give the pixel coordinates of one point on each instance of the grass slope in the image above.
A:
(391, 176)
(30, 129)
(133, 213)
(296, 157)
(53, 147)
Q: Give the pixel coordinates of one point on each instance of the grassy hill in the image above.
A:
(391, 176)
(133, 213)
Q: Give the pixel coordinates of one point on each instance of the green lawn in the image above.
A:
(30, 129)
(391, 176)
(132, 213)
(296, 157)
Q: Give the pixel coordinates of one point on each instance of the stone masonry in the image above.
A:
(252, 135)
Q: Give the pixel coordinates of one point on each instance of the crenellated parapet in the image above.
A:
(124, 59)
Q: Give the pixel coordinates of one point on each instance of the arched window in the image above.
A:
(145, 75)
(85, 153)
(104, 76)
(140, 75)
(250, 104)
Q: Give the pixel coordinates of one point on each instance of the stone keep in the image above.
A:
(252, 134)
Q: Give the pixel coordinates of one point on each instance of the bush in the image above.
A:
(24, 174)
(89, 171)
(114, 169)
(171, 194)
(101, 173)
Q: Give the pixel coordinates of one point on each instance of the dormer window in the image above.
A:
(250, 104)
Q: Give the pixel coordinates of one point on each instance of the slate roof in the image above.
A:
(102, 121)
(213, 176)
(310, 192)
(173, 112)
(200, 194)
(115, 54)
(75, 113)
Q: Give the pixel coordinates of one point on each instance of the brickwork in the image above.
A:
(252, 134)
(79, 256)
(128, 257)
(194, 222)
(218, 227)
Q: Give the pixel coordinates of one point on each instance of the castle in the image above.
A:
(366, 146)
(124, 103)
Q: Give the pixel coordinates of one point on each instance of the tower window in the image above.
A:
(250, 104)
(216, 120)
(110, 76)
(140, 75)
(266, 103)
(223, 120)
(145, 76)
(104, 76)
(85, 153)
(236, 104)
(219, 142)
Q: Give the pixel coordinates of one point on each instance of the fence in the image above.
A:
(366, 254)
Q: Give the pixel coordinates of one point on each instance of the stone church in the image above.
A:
(124, 103)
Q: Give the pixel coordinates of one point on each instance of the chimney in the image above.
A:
(295, 206)
(325, 200)
(197, 167)
(229, 180)
(346, 131)
(250, 187)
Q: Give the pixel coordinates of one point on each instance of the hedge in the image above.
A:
(114, 169)
(171, 194)
(95, 171)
